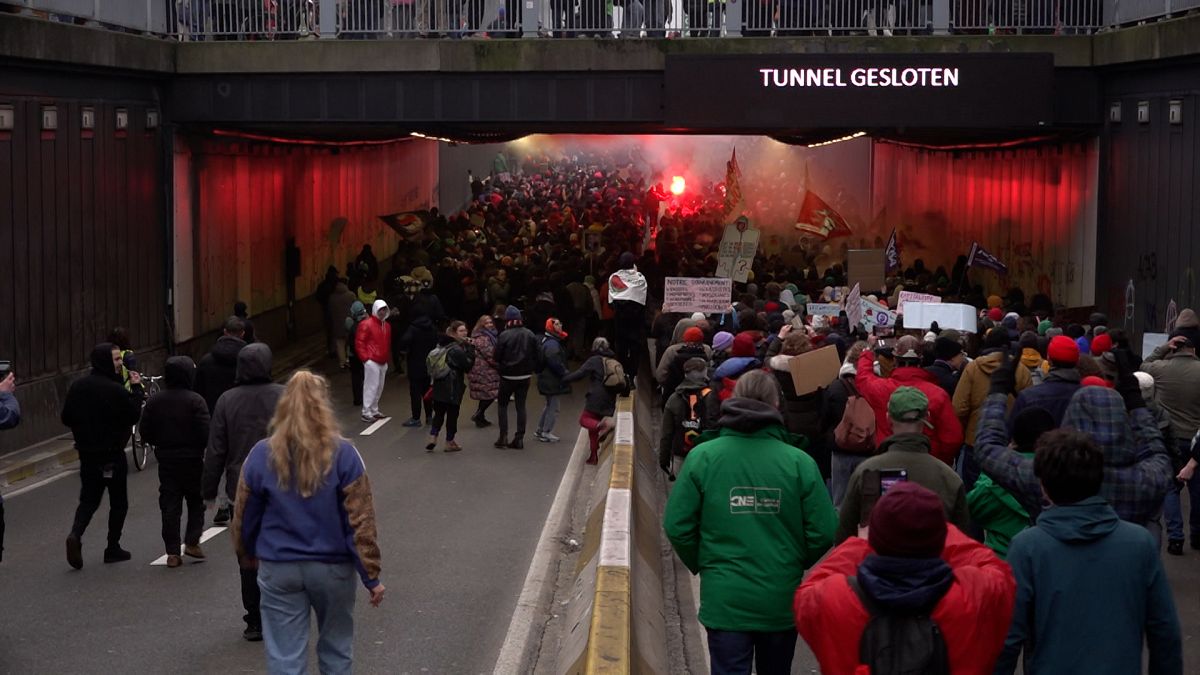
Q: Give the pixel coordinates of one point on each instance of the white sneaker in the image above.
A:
(550, 438)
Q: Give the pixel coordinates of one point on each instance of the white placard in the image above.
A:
(875, 315)
(909, 296)
(823, 309)
(854, 309)
(697, 294)
(1152, 341)
(946, 314)
(737, 251)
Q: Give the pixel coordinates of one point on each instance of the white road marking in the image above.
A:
(375, 427)
(208, 534)
(40, 483)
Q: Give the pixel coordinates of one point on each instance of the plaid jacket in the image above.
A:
(1137, 472)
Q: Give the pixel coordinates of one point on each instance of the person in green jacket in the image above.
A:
(749, 513)
(1091, 588)
(992, 507)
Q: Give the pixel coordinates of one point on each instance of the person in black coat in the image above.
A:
(175, 421)
(240, 311)
(218, 368)
(448, 390)
(420, 338)
(101, 413)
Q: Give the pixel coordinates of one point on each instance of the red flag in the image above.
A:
(819, 219)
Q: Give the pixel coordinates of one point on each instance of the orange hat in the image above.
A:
(693, 334)
(550, 328)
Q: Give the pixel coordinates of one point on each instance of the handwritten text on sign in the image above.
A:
(690, 294)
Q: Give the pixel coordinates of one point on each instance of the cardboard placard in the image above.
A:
(697, 294)
(823, 309)
(736, 254)
(866, 266)
(815, 369)
(909, 296)
(1152, 341)
(946, 314)
(854, 309)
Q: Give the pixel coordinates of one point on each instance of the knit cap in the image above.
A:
(908, 521)
(723, 341)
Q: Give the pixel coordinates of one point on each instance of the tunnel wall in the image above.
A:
(81, 233)
(238, 202)
(1150, 215)
(1034, 208)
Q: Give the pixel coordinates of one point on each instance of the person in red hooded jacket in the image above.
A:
(373, 344)
(912, 561)
(946, 434)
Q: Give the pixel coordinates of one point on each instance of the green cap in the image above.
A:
(1043, 326)
(908, 404)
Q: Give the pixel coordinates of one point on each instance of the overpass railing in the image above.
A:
(383, 19)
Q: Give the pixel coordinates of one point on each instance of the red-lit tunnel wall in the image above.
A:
(237, 203)
(1033, 208)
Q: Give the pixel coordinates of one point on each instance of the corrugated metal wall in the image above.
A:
(81, 234)
(247, 199)
(1151, 209)
(1033, 208)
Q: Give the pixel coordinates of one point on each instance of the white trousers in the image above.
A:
(373, 378)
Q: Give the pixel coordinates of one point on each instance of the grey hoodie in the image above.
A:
(240, 420)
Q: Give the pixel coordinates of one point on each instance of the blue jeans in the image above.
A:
(1172, 509)
(732, 652)
(289, 591)
(842, 465)
(549, 415)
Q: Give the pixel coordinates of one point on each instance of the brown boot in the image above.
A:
(194, 551)
(452, 446)
(174, 561)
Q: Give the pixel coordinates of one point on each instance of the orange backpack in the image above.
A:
(855, 433)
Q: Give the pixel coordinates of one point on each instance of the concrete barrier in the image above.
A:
(614, 614)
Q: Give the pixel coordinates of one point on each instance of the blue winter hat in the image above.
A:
(511, 313)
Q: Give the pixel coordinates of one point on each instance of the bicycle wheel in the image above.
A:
(140, 450)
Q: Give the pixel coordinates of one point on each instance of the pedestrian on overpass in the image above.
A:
(239, 421)
(517, 354)
(101, 414)
(373, 344)
(305, 518)
(749, 513)
(448, 365)
(176, 422)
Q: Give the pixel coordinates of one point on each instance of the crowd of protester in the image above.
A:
(1000, 484)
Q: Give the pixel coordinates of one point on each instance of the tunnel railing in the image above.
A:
(246, 20)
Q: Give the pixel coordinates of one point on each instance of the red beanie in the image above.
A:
(1063, 350)
(1101, 344)
(996, 314)
(771, 307)
(743, 344)
(693, 334)
(1095, 381)
(908, 522)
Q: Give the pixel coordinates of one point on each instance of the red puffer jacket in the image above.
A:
(973, 615)
(373, 338)
(946, 436)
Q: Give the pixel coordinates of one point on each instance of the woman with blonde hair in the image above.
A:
(305, 517)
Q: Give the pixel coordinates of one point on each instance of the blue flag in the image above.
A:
(891, 254)
(978, 257)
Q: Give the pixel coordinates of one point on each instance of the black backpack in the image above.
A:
(900, 644)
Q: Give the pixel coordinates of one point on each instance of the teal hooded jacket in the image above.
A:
(1090, 589)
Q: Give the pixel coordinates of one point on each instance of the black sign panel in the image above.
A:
(804, 91)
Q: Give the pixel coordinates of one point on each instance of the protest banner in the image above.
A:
(947, 315)
(815, 369)
(866, 267)
(697, 294)
(854, 310)
(823, 309)
(1152, 341)
(909, 296)
(875, 315)
(739, 244)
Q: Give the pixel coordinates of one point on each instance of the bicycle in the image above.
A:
(142, 449)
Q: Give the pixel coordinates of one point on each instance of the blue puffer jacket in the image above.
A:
(1052, 395)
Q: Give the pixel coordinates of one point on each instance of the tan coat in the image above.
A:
(973, 389)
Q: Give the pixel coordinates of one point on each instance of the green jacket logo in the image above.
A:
(754, 500)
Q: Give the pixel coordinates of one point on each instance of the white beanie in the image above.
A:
(698, 316)
(1146, 384)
